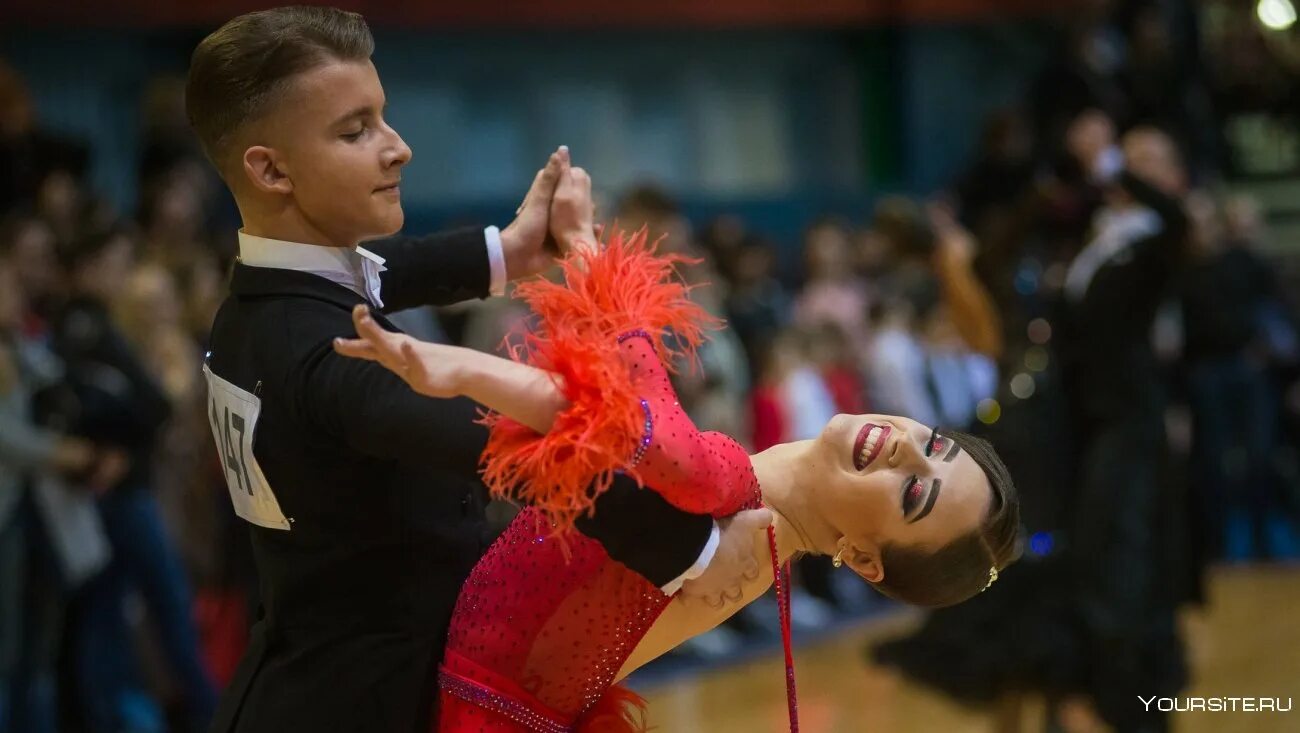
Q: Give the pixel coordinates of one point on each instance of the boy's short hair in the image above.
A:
(239, 71)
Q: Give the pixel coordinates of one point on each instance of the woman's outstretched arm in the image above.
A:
(524, 393)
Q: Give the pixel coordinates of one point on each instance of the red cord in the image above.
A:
(781, 579)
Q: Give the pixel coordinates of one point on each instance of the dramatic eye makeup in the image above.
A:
(936, 442)
(914, 489)
(913, 492)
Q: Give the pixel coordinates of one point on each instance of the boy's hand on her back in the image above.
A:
(527, 243)
(723, 582)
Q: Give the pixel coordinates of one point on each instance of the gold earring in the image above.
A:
(993, 576)
(839, 559)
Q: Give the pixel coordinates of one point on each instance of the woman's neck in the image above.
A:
(798, 526)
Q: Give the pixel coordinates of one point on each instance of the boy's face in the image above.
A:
(327, 147)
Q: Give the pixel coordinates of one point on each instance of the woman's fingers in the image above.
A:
(387, 348)
(366, 326)
(413, 365)
(356, 348)
(385, 343)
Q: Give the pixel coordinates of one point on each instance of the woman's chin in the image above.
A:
(839, 426)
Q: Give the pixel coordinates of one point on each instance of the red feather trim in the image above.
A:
(625, 286)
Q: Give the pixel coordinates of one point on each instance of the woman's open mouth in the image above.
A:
(870, 442)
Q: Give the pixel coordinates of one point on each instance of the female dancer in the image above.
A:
(547, 623)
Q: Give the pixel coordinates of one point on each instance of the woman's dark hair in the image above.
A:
(959, 569)
(243, 68)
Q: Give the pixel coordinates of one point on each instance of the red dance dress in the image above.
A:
(546, 619)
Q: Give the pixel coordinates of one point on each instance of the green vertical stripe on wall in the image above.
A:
(881, 113)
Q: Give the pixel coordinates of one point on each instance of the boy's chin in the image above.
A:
(390, 224)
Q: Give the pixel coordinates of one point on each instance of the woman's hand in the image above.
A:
(573, 211)
(433, 370)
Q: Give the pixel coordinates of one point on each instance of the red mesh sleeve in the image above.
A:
(623, 287)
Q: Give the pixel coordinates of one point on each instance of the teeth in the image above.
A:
(869, 446)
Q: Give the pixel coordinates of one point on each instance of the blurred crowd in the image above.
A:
(1084, 294)
(111, 506)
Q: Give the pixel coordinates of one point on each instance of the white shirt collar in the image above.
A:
(356, 269)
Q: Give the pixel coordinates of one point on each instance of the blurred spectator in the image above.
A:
(33, 254)
(958, 378)
(174, 238)
(1003, 170)
(1227, 293)
(169, 150)
(835, 359)
(150, 315)
(906, 239)
(966, 303)
(935, 344)
(34, 574)
(714, 394)
(776, 358)
(757, 304)
(723, 239)
(793, 401)
(29, 154)
(122, 405)
(65, 205)
(896, 360)
(152, 319)
(790, 400)
(831, 292)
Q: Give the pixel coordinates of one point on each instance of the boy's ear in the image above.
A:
(262, 167)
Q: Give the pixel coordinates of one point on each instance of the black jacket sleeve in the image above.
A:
(375, 412)
(439, 269)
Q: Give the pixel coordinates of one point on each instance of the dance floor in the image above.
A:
(1246, 645)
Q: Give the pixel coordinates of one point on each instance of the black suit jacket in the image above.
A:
(382, 488)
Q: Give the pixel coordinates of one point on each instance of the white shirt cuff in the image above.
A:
(701, 564)
(496, 261)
